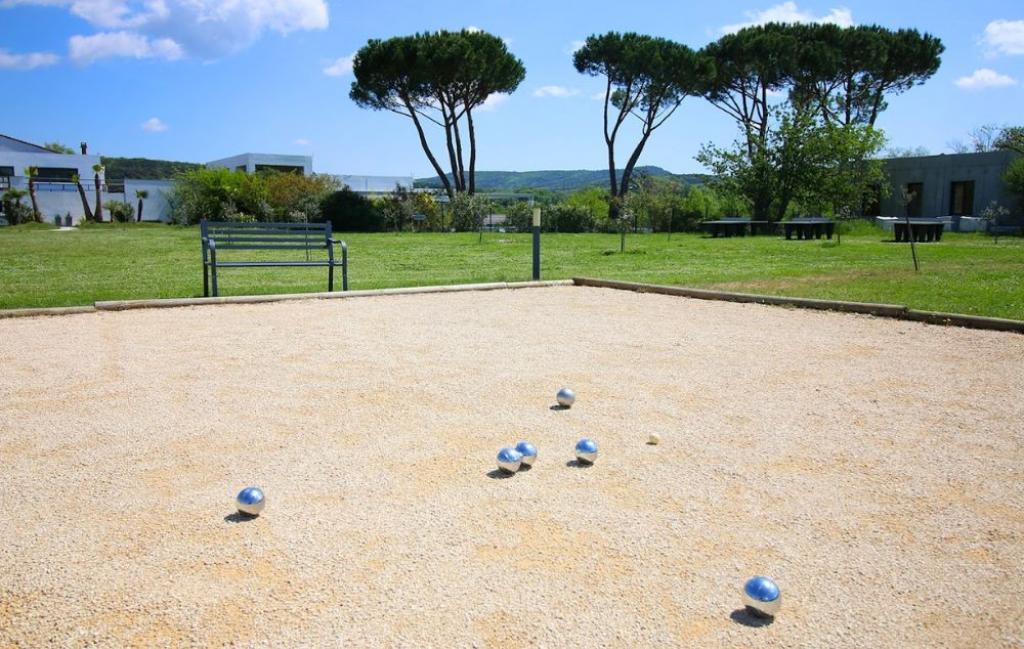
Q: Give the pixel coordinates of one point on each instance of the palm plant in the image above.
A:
(31, 173)
(98, 168)
(141, 194)
(86, 210)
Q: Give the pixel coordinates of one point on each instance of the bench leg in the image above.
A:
(330, 278)
(206, 280)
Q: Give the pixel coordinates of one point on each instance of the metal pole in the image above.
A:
(536, 244)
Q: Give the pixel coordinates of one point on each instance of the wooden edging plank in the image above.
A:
(56, 310)
(122, 305)
(896, 311)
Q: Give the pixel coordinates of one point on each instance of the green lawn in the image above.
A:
(965, 273)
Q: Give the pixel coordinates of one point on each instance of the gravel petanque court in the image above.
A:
(874, 468)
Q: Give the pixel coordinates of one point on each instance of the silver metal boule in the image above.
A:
(586, 450)
(566, 397)
(509, 459)
(250, 501)
(528, 451)
(762, 596)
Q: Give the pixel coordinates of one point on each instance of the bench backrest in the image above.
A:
(265, 236)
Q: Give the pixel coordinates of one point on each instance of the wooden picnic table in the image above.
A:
(809, 228)
(737, 227)
(923, 229)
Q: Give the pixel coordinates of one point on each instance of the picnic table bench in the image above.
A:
(309, 237)
(809, 228)
(729, 227)
(922, 229)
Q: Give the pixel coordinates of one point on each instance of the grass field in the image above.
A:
(965, 273)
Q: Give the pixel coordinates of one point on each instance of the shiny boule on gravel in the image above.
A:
(586, 450)
(762, 597)
(566, 397)
(528, 451)
(509, 460)
(250, 501)
(654, 439)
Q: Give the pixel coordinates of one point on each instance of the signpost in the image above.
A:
(536, 244)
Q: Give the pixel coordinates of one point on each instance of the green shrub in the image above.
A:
(120, 211)
(349, 212)
(468, 212)
(219, 195)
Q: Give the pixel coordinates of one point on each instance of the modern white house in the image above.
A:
(60, 202)
(253, 162)
(57, 194)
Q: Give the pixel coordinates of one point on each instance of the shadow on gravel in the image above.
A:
(559, 408)
(746, 618)
(239, 517)
(498, 474)
(576, 464)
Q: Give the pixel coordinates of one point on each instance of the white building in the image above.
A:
(59, 198)
(57, 194)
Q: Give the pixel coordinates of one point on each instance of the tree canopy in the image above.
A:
(646, 78)
(440, 78)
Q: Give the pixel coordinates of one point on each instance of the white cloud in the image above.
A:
(472, 29)
(598, 96)
(1004, 37)
(84, 50)
(789, 12)
(574, 46)
(9, 61)
(340, 67)
(555, 91)
(206, 29)
(154, 125)
(302, 142)
(985, 78)
(493, 100)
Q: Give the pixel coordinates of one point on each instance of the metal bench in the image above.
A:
(225, 235)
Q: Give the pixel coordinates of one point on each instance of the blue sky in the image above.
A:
(198, 80)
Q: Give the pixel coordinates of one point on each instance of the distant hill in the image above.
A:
(555, 180)
(144, 168)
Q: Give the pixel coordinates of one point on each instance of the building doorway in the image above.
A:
(961, 198)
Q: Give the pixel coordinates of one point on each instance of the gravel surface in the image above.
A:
(873, 467)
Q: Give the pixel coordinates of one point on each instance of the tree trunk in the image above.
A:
(450, 144)
(99, 198)
(458, 151)
(430, 154)
(472, 152)
(35, 199)
(139, 216)
(86, 210)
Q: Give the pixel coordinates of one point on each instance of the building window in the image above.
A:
(912, 197)
(285, 169)
(56, 174)
(5, 177)
(961, 198)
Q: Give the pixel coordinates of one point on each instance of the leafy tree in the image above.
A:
(827, 168)
(1011, 138)
(86, 210)
(469, 212)
(752, 66)
(845, 74)
(295, 197)
(1013, 177)
(57, 147)
(440, 78)
(646, 78)
(97, 169)
(31, 173)
(349, 212)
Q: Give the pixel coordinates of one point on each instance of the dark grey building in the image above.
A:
(960, 184)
